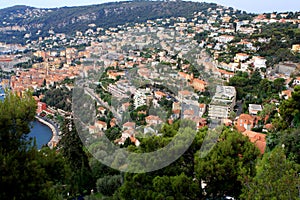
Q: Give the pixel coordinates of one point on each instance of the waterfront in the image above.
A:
(2, 93)
(41, 132)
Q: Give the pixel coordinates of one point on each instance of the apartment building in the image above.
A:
(222, 102)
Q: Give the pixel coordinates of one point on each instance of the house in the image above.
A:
(159, 94)
(127, 134)
(225, 74)
(199, 85)
(229, 67)
(240, 57)
(258, 139)
(114, 75)
(286, 94)
(245, 43)
(245, 122)
(125, 106)
(175, 114)
(254, 109)
(187, 114)
(101, 110)
(200, 122)
(176, 106)
(259, 62)
(185, 76)
(267, 128)
(184, 94)
(243, 67)
(202, 109)
(225, 38)
(92, 129)
(100, 125)
(135, 141)
(113, 122)
(226, 19)
(129, 125)
(41, 107)
(153, 120)
(296, 81)
(144, 72)
(296, 48)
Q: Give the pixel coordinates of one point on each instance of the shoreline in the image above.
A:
(55, 135)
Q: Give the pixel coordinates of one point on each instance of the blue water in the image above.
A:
(1, 92)
(41, 133)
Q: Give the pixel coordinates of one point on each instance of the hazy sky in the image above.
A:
(257, 6)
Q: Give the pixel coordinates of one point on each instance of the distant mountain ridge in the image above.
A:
(17, 21)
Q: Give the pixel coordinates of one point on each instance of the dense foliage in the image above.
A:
(81, 180)
(70, 19)
(25, 172)
(276, 177)
(249, 88)
(59, 98)
(282, 37)
(217, 164)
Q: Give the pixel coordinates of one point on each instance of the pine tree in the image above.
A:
(72, 148)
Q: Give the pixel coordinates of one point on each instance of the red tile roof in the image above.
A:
(258, 139)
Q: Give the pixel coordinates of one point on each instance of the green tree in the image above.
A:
(267, 110)
(72, 149)
(176, 181)
(225, 167)
(255, 78)
(290, 139)
(279, 84)
(109, 184)
(16, 114)
(25, 172)
(175, 187)
(289, 111)
(276, 178)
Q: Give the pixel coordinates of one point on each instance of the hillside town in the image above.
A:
(149, 100)
(188, 57)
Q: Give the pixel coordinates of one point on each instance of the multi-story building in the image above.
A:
(116, 91)
(140, 97)
(222, 102)
(121, 89)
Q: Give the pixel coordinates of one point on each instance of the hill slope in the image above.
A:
(16, 21)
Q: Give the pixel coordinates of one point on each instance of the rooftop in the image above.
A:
(225, 92)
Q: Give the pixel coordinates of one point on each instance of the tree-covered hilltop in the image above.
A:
(70, 19)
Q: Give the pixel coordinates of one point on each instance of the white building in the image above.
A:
(140, 97)
(259, 62)
(225, 38)
(222, 102)
(254, 109)
(240, 57)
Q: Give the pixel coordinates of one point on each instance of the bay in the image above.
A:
(41, 133)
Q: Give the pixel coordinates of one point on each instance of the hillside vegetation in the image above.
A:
(70, 19)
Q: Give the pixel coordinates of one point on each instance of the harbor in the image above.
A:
(41, 133)
(54, 130)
